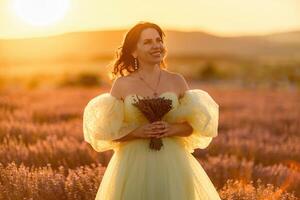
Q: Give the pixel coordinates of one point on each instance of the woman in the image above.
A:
(111, 121)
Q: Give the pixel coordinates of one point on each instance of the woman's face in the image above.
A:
(150, 47)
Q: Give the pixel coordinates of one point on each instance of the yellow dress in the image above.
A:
(136, 172)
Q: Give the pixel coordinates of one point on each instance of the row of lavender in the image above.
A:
(258, 139)
(21, 182)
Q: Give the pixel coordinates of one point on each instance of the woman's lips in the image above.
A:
(156, 53)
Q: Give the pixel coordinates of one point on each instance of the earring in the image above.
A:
(135, 64)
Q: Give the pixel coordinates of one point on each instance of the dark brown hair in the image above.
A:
(125, 60)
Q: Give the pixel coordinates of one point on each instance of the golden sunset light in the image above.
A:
(143, 100)
(32, 18)
(40, 12)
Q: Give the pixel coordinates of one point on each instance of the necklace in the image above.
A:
(154, 90)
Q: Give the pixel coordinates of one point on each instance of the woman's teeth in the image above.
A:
(157, 53)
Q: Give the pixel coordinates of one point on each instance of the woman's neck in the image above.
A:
(148, 69)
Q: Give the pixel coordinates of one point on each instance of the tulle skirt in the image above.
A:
(135, 172)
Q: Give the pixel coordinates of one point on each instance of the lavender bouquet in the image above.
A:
(153, 109)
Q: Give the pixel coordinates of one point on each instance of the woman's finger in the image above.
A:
(158, 128)
(152, 135)
(149, 128)
(159, 132)
(155, 133)
(164, 134)
(158, 123)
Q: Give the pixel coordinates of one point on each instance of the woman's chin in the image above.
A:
(156, 60)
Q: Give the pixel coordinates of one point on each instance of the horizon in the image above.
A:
(166, 30)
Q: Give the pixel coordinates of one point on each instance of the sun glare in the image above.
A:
(41, 12)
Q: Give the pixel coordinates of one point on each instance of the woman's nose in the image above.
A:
(157, 45)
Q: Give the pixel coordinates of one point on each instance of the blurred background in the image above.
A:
(55, 55)
(57, 42)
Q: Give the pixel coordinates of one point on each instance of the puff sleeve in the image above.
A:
(103, 122)
(199, 109)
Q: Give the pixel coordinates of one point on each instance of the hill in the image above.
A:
(99, 44)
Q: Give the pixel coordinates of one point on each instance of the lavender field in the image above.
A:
(43, 156)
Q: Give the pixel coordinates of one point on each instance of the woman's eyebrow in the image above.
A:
(148, 39)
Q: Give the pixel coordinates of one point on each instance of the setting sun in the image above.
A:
(41, 12)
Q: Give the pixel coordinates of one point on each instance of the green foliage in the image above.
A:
(84, 79)
(209, 71)
(212, 71)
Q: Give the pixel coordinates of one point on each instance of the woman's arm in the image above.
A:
(180, 129)
(144, 131)
(130, 136)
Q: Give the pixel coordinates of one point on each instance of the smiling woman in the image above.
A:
(41, 12)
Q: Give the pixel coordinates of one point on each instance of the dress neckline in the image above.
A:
(160, 95)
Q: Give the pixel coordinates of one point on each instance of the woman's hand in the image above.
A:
(168, 129)
(161, 129)
(182, 129)
(149, 130)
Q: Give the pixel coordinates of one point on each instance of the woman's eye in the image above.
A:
(149, 42)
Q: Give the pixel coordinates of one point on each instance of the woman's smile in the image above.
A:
(156, 53)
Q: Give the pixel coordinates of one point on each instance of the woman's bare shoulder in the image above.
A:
(121, 84)
(178, 80)
(118, 86)
(171, 74)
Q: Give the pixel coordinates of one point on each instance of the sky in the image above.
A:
(218, 17)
